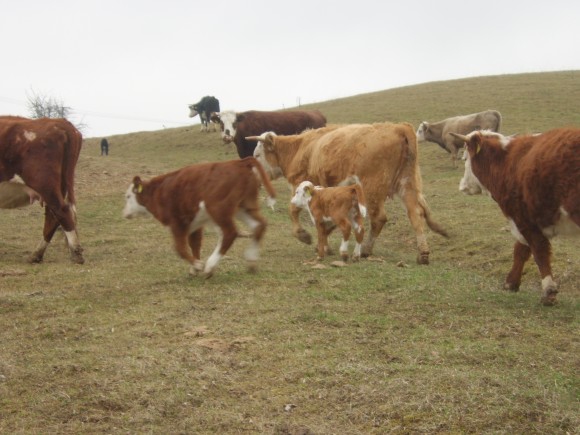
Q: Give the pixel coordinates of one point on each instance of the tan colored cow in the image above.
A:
(383, 156)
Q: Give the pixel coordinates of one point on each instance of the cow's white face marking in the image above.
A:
(192, 112)
(29, 135)
(228, 119)
(132, 207)
(302, 197)
(503, 140)
(274, 172)
(421, 132)
(469, 184)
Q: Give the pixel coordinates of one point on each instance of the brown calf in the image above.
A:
(189, 198)
(343, 206)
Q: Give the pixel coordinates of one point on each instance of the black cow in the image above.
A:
(205, 107)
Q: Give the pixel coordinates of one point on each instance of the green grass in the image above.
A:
(129, 343)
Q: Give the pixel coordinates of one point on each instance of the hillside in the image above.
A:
(130, 343)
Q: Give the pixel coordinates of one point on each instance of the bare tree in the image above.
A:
(43, 106)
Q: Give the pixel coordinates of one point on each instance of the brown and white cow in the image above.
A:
(44, 153)
(236, 126)
(440, 132)
(383, 156)
(329, 207)
(535, 180)
(189, 198)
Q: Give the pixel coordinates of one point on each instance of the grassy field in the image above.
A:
(129, 343)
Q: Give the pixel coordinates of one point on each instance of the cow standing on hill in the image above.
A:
(535, 180)
(383, 156)
(237, 126)
(440, 132)
(207, 193)
(205, 107)
(44, 153)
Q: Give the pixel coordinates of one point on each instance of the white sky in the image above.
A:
(127, 65)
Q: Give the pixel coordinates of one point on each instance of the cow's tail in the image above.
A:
(358, 199)
(265, 180)
(72, 151)
(410, 157)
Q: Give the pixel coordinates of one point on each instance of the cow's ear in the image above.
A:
(474, 144)
(269, 141)
(137, 184)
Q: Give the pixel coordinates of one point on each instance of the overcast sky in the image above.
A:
(126, 65)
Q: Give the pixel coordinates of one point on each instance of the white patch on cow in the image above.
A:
(72, 239)
(548, 283)
(357, 249)
(362, 210)
(503, 140)
(344, 247)
(132, 207)
(564, 226)
(215, 257)
(402, 186)
(516, 233)
(421, 132)
(201, 218)
(29, 135)
(470, 184)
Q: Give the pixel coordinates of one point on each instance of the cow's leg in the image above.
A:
(522, 254)
(227, 234)
(378, 219)
(194, 240)
(256, 222)
(297, 230)
(359, 233)
(50, 227)
(541, 249)
(416, 215)
(345, 229)
(322, 233)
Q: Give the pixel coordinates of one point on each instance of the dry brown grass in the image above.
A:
(129, 343)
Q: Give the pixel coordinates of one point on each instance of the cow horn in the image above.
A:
(254, 138)
(460, 136)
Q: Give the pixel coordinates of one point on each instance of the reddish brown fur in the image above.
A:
(337, 204)
(531, 180)
(44, 153)
(254, 123)
(225, 187)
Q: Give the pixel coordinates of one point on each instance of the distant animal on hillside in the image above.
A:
(440, 132)
(207, 193)
(44, 153)
(205, 107)
(535, 180)
(341, 206)
(236, 126)
(383, 156)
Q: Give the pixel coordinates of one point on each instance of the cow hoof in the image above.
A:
(423, 258)
(549, 297)
(344, 257)
(355, 259)
(35, 258)
(512, 287)
(304, 237)
(76, 256)
(207, 275)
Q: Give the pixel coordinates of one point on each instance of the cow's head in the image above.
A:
(229, 122)
(469, 184)
(133, 207)
(193, 110)
(423, 128)
(265, 153)
(303, 194)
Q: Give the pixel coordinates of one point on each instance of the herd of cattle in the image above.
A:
(339, 174)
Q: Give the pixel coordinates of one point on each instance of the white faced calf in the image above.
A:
(341, 206)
